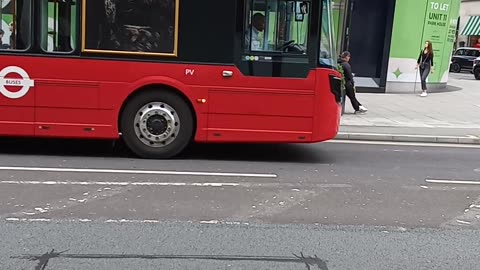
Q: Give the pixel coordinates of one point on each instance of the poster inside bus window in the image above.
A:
(124, 26)
(302, 7)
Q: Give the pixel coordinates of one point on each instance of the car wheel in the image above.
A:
(476, 73)
(455, 67)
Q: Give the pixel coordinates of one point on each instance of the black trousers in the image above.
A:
(424, 72)
(350, 91)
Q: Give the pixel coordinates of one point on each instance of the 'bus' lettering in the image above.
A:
(13, 82)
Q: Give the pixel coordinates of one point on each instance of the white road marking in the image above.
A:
(123, 220)
(444, 145)
(177, 184)
(130, 221)
(219, 222)
(463, 222)
(209, 222)
(84, 183)
(29, 219)
(189, 173)
(459, 182)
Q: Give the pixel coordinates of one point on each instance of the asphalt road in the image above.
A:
(464, 75)
(341, 205)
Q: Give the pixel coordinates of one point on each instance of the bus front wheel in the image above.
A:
(157, 124)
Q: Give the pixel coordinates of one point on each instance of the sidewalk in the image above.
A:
(448, 116)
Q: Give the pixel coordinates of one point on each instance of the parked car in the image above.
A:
(476, 68)
(463, 58)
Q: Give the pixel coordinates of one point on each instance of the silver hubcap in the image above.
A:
(157, 124)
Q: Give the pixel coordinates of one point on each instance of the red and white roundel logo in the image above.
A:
(7, 84)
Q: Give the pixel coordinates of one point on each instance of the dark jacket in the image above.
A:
(347, 72)
(425, 58)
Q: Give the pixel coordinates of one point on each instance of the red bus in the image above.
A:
(160, 74)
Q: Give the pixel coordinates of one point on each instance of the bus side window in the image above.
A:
(58, 30)
(16, 15)
(134, 26)
(277, 26)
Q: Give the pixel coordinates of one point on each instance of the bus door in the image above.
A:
(271, 87)
(17, 85)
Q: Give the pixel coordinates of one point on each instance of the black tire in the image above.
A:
(131, 119)
(455, 67)
(476, 73)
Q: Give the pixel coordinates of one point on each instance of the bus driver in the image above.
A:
(258, 25)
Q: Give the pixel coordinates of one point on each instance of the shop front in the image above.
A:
(385, 38)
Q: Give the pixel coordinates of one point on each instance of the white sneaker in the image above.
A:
(363, 108)
(424, 94)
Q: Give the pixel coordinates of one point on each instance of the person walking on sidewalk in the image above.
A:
(350, 83)
(425, 62)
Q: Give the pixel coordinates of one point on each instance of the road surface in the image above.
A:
(339, 205)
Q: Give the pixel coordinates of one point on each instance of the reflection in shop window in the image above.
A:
(15, 31)
(141, 26)
(59, 25)
(279, 26)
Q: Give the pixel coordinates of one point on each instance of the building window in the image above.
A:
(59, 29)
(16, 29)
(131, 27)
(277, 26)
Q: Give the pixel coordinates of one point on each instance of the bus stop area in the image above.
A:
(450, 115)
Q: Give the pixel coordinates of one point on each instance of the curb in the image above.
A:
(407, 138)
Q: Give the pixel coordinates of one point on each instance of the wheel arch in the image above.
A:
(158, 86)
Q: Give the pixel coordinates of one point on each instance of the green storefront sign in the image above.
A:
(415, 22)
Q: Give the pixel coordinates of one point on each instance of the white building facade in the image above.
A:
(469, 25)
